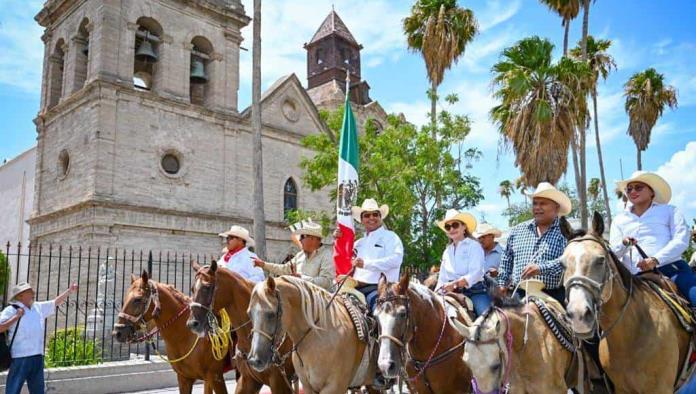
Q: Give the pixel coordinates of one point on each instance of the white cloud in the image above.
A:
(679, 172)
(497, 12)
(20, 45)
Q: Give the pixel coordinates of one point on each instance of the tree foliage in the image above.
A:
(405, 167)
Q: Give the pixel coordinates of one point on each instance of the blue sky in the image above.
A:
(644, 34)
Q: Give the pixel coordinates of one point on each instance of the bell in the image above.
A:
(145, 52)
(198, 74)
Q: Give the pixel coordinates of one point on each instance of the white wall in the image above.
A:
(16, 198)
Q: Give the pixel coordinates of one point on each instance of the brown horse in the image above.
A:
(328, 355)
(149, 301)
(414, 328)
(219, 288)
(643, 346)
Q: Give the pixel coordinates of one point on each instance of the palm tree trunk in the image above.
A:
(585, 27)
(433, 108)
(640, 162)
(601, 161)
(576, 164)
(566, 23)
(259, 215)
(582, 190)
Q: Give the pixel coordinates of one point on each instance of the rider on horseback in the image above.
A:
(238, 257)
(657, 227)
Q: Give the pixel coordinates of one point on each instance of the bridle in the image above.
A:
(138, 321)
(596, 289)
(276, 340)
(402, 342)
(505, 353)
(209, 308)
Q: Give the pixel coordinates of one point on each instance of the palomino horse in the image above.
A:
(510, 349)
(216, 289)
(148, 301)
(328, 355)
(643, 346)
(414, 329)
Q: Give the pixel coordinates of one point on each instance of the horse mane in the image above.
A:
(177, 294)
(314, 301)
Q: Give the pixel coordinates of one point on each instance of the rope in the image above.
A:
(219, 334)
(180, 358)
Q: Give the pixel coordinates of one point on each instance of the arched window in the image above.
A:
(57, 59)
(289, 196)
(82, 56)
(147, 41)
(319, 54)
(199, 76)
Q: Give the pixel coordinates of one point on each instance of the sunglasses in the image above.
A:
(371, 214)
(639, 188)
(449, 226)
(231, 237)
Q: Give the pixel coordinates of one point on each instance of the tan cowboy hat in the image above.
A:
(548, 191)
(452, 214)
(307, 227)
(485, 229)
(663, 193)
(370, 205)
(240, 232)
(18, 288)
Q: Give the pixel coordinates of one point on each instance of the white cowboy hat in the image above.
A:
(18, 288)
(370, 205)
(452, 214)
(548, 191)
(485, 229)
(307, 227)
(663, 193)
(239, 232)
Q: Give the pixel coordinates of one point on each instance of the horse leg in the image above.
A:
(246, 385)
(185, 384)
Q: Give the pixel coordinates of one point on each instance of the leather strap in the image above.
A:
(15, 331)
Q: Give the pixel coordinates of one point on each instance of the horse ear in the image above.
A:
(270, 284)
(213, 266)
(461, 328)
(597, 224)
(196, 267)
(566, 228)
(134, 277)
(144, 276)
(382, 284)
(403, 283)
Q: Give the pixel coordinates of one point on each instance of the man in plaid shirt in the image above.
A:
(534, 247)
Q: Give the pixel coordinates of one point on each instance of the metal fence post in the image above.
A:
(149, 273)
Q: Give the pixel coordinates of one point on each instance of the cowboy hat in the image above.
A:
(548, 191)
(663, 193)
(370, 205)
(18, 288)
(307, 227)
(452, 214)
(485, 229)
(239, 232)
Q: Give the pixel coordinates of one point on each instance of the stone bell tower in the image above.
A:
(138, 118)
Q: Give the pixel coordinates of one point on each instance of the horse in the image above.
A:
(148, 301)
(510, 349)
(216, 289)
(328, 355)
(414, 328)
(603, 297)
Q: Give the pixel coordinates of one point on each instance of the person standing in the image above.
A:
(28, 348)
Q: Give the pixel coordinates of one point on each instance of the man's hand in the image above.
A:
(73, 288)
(493, 272)
(296, 275)
(337, 233)
(450, 286)
(647, 264)
(629, 241)
(503, 290)
(530, 271)
(259, 263)
(20, 313)
(360, 263)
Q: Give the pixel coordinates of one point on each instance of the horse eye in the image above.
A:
(401, 314)
(495, 367)
(599, 261)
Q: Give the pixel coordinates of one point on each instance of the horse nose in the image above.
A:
(585, 316)
(388, 367)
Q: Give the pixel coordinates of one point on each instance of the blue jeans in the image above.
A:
(26, 369)
(370, 293)
(682, 275)
(479, 296)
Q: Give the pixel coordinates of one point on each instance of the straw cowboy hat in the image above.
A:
(18, 288)
(307, 227)
(452, 214)
(548, 191)
(663, 193)
(370, 205)
(486, 229)
(239, 232)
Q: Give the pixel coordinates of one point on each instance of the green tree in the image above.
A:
(403, 166)
(646, 98)
(505, 190)
(541, 104)
(593, 188)
(439, 30)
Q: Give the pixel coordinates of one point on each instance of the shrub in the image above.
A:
(69, 347)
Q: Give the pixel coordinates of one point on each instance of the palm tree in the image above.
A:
(646, 98)
(567, 10)
(440, 31)
(505, 190)
(540, 107)
(601, 63)
(593, 188)
(259, 215)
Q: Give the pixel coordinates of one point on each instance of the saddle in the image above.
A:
(463, 306)
(363, 321)
(669, 294)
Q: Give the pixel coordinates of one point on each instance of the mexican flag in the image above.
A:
(347, 189)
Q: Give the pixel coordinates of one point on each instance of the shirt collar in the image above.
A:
(376, 232)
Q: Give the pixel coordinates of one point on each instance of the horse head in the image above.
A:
(588, 276)
(396, 330)
(265, 311)
(139, 306)
(203, 297)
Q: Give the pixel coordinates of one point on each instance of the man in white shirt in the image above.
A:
(238, 257)
(379, 251)
(657, 227)
(28, 346)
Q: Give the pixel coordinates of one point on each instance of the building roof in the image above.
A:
(333, 24)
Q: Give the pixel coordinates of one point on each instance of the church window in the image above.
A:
(57, 65)
(199, 74)
(345, 55)
(147, 42)
(63, 164)
(82, 55)
(319, 54)
(289, 196)
(171, 164)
